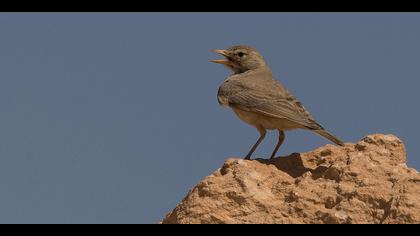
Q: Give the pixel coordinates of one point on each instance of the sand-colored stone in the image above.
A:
(366, 182)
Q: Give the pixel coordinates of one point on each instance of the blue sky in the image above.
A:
(113, 117)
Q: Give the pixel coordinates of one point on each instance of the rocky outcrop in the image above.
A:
(366, 182)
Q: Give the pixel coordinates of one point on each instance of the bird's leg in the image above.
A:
(262, 136)
(279, 143)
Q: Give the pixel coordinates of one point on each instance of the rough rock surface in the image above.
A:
(366, 182)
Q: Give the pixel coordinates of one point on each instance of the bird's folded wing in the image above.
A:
(271, 102)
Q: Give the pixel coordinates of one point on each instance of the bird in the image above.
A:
(260, 100)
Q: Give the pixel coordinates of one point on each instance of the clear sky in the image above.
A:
(113, 117)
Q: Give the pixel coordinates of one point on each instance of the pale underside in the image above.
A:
(267, 122)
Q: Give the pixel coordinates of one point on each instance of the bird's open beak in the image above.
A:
(223, 53)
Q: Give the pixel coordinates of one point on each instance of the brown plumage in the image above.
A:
(260, 100)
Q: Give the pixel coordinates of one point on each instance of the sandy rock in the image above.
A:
(366, 182)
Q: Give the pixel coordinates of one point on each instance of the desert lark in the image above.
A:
(260, 100)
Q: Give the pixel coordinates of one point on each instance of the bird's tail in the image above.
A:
(329, 136)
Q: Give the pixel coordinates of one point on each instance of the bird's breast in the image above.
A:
(223, 101)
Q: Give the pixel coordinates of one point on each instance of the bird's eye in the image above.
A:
(241, 54)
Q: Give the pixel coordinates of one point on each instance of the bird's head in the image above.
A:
(240, 58)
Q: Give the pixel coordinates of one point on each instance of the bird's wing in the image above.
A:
(272, 100)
